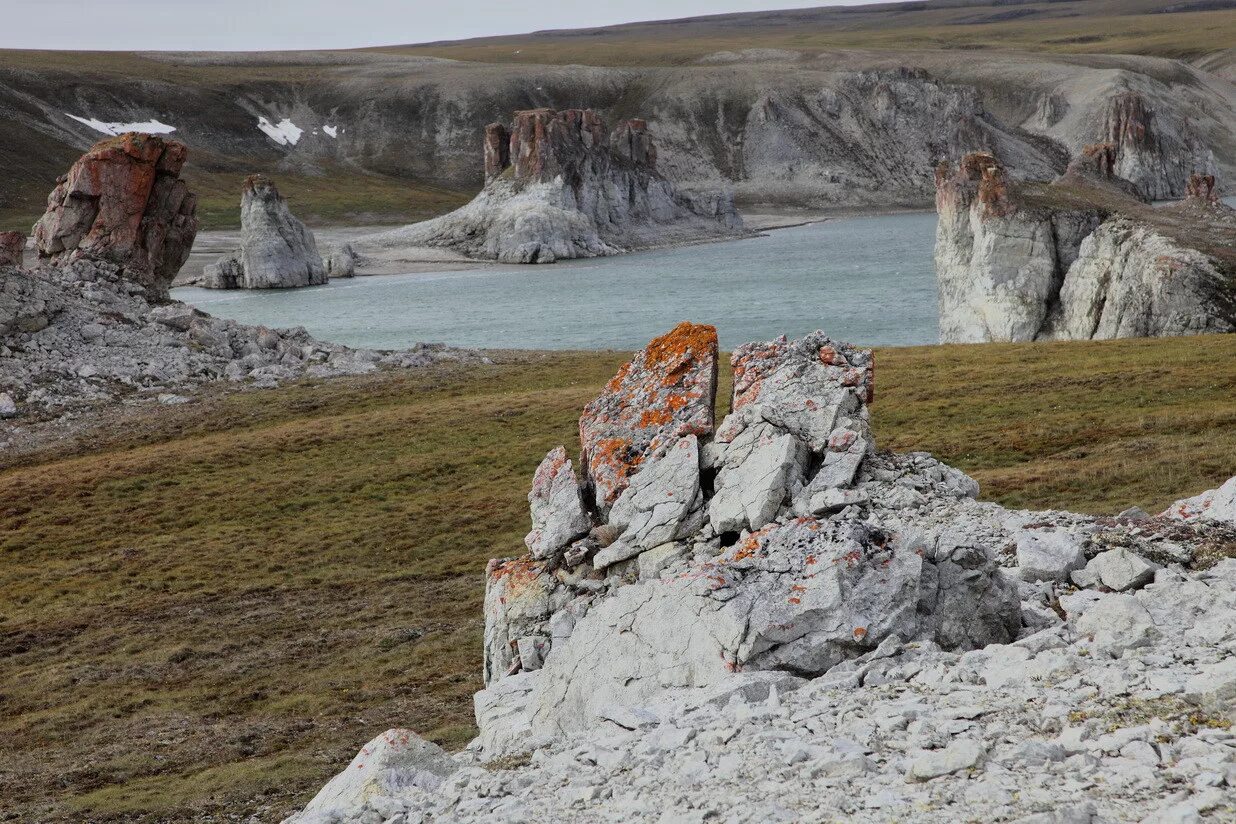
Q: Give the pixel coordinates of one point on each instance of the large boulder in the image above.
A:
(277, 251)
(124, 203)
(394, 763)
(1215, 505)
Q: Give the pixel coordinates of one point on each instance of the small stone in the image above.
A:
(960, 755)
(1048, 554)
(1118, 570)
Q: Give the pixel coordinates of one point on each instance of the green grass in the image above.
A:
(208, 608)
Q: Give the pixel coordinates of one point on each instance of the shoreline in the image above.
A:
(213, 244)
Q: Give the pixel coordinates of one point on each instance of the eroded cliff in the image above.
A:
(1079, 258)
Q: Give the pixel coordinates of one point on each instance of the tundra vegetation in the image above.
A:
(211, 606)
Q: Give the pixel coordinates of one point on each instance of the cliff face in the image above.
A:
(557, 186)
(276, 251)
(124, 203)
(841, 128)
(1076, 259)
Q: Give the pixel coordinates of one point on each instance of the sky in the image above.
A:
(256, 25)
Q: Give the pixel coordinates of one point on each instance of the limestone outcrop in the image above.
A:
(123, 203)
(1156, 157)
(557, 186)
(1079, 258)
(82, 334)
(277, 251)
(862, 634)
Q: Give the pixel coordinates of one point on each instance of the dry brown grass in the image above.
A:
(209, 608)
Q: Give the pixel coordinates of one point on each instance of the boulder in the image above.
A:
(276, 250)
(393, 763)
(662, 503)
(664, 393)
(124, 203)
(1048, 554)
(12, 248)
(1117, 569)
(1216, 505)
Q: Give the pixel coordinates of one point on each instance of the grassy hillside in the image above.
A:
(211, 607)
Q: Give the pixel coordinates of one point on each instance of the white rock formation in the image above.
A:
(1067, 262)
(874, 664)
(557, 187)
(277, 251)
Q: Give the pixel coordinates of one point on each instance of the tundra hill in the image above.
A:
(818, 108)
(1183, 30)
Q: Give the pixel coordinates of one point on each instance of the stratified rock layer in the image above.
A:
(276, 251)
(1078, 258)
(124, 203)
(557, 186)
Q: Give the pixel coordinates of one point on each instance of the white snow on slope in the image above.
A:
(285, 132)
(150, 126)
(333, 131)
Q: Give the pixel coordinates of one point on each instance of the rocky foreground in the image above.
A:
(559, 186)
(770, 620)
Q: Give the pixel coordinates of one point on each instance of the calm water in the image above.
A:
(868, 280)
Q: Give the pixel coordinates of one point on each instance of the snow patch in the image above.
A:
(285, 132)
(333, 131)
(149, 126)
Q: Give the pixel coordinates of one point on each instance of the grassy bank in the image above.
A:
(210, 607)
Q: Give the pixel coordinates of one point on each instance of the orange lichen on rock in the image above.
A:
(664, 393)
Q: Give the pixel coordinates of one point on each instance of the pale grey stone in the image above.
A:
(1117, 569)
(558, 515)
(960, 755)
(1048, 554)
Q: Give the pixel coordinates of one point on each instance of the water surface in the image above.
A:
(868, 280)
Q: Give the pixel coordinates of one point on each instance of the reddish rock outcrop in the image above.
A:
(12, 244)
(978, 177)
(124, 202)
(1202, 189)
(665, 392)
(1097, 160)
(497, 149)
(544, 143)
(1128, 122)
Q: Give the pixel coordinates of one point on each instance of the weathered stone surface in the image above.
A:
(124, 203)
(557, 188)
(1048, 554)
(662, 503)
(804, 596)
(1156, 157)
(1117, 570)
(395, 762)
(520, 597)
(276, 251)
(1217, 505)
(340, 261)
(664, 393)
(957, 756)
(12, 248)
(809, 388)
(558, 515)
(1202, 189)
(1019, 262)
(759, 471)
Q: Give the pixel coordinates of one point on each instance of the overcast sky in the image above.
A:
(317, 24)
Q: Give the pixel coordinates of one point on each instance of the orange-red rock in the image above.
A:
(665, 392)
(124, 202)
